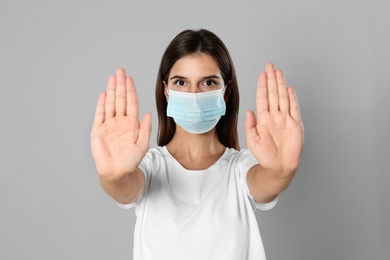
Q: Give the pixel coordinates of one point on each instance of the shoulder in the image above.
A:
(237, 161)
(154, 159)
(155, 153)
(241, 161)
(151, 157)
(240, 157)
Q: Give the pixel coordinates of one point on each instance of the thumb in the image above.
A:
(144, 131)
(250, 121)
(250, 128)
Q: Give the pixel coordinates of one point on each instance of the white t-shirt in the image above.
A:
(197, 214)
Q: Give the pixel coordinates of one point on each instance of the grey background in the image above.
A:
(56, 57)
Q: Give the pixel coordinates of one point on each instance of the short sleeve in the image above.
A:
(126, 206)
(144, 166)
(131, 205)
(246, 160)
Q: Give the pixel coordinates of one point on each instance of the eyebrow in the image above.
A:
(206, 77)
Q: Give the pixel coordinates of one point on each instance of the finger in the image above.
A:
(273, 97)
(132, 99)
(120, 93)
(294, 106)
(262, 94)
(251, 134)
(110, 98)
(144, 132)
(99, 114)
(284, 102)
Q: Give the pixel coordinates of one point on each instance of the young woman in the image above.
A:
(195, 194)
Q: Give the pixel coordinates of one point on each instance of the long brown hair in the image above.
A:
(190, 42)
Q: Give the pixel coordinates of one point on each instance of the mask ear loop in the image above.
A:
(166, 86)
(223, 93)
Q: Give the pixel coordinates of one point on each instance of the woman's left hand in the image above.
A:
(275, 134)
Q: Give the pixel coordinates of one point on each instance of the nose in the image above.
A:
(194, 88)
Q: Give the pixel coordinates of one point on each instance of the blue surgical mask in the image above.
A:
(197, 113)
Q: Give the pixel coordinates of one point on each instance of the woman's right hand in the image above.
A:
(119, 141)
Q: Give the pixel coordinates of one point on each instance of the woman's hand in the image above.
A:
(275, 134)
(119, 141)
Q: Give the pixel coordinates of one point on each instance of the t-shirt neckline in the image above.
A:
(167, 153)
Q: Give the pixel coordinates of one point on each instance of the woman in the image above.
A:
(195, 193)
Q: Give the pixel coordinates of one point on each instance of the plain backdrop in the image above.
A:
(55, 59)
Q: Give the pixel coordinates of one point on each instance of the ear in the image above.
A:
(227, 91)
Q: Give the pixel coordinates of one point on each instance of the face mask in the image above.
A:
(197, 113)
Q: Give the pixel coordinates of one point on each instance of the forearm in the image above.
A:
(125, 189)
(266, 184)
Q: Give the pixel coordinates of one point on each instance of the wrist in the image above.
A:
(279, 173)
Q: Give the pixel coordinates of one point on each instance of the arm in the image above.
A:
(119, 141)
(274, 136)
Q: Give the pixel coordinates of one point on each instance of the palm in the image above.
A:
(119, 140)
(275, 135)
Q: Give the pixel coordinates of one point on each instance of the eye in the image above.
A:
(209, 83)
(180, 83)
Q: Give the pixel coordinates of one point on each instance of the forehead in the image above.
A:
(195, 65)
